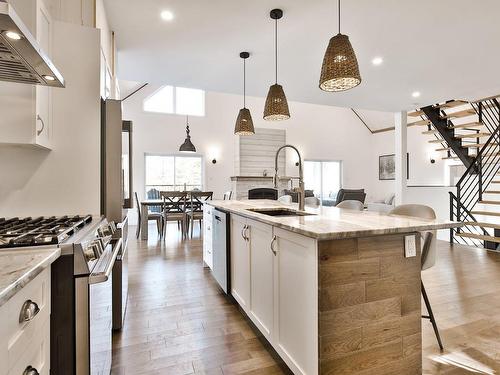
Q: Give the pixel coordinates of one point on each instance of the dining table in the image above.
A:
(145, 208)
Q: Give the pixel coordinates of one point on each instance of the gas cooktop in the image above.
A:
(29, 231)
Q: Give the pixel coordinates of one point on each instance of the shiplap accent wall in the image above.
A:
(254, 155)
(257, 152)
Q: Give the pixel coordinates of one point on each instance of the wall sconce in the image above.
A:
(433, 161)
(296, 163)
(213, 154)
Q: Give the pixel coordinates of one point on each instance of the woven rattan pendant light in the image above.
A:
(276, 108)
(340, 70)
(187, 146)
(244, 123)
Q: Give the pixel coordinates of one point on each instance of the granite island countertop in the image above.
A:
(19, 267)
(329, 223)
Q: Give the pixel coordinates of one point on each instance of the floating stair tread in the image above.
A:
(489, 202)
(420, 123)
(451, 104)
(443, 149)
(468, 125)
(459, 114)
(474, 145)
(482, 224)
(479, 237)
(473, 156)
(437, 141)
(434, 131)
(492, 192)
(416, 113)
(450, 158)
(485, 213)
(472, 135)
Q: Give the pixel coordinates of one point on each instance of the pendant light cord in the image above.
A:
(339, 16)
(244, 83)
(276, 49)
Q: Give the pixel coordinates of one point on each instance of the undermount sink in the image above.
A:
(279, 212)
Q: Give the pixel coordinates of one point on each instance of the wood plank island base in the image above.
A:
(333, 292)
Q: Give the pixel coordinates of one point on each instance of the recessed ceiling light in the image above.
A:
(49, 78)
(415, 94)
(377, 60)
(13, 35)
(167, 15)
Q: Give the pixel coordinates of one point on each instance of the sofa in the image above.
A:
(382, 205)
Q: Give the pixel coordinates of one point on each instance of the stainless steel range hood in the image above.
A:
(21, 58)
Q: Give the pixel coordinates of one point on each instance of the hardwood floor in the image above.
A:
(179, 323)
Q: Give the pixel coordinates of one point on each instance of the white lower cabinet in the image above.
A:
(208, 258)
(296, 301)
(274, 279)
(240, 262)
(25, 329)
(261, 277)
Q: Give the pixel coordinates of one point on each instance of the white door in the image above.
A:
(261, 277)
(296, 301)
(240, 262)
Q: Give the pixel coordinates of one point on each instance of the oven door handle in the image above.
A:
(103, 268)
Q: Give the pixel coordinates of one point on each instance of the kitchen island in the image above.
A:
(333, 291)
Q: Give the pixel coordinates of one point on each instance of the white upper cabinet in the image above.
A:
(43, 93)
(27, 110)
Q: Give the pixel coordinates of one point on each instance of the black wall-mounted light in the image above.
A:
(214, 161)
(433, 161)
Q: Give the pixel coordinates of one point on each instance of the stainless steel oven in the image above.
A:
(94, 313)
(120, 278)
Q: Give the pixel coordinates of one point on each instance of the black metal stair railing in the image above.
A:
(480, 174)
(441, 124)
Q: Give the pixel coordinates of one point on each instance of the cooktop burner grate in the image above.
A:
(16, 232)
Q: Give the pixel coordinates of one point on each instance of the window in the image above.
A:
(189, 102)
(324, 178)
(173, 173)
(176, 100)
(162, 101)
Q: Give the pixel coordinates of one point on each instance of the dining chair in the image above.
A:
(428, 256)
(351, 205)
(174, 209)
(151, 216)
(195, 207)
(228, 195)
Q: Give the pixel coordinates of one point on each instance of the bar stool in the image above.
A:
(428, 253)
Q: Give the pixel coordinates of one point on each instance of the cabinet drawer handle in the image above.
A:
(38, 132)
(272, 246)
(31, 371)
(28, 312)
(243, 232)
(247, 237)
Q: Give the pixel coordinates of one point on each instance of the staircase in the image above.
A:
(470, 132)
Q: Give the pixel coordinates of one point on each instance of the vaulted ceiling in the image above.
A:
(443, 49)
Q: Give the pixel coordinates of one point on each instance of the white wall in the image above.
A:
(67, 179)
(319, 132)
(421, 171)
